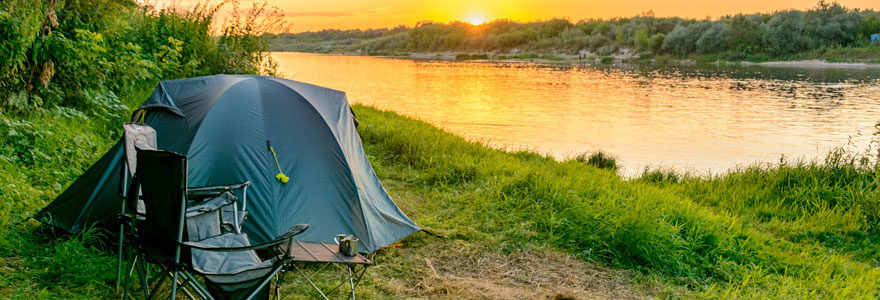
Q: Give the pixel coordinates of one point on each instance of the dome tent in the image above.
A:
(224, 124)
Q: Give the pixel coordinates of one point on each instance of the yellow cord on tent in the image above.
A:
(280, 176)
(143, 115)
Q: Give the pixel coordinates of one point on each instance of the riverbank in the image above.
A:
(812, 63)
(627, 57)
(522, 225)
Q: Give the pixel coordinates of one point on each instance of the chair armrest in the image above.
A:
(286, 237)
(215, 189)
(209, 204)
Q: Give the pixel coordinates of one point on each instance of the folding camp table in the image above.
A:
(328, 254)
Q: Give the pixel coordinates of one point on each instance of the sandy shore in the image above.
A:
(813, 63)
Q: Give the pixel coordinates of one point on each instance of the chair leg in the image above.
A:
(119, 258)
(128, 277)
(144, 274)
(185, 291)
(192, 281)
(278, 285)
(265, 282)
(157, 284)
(174, 285)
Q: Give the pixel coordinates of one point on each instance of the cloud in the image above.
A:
(336, 14)
(331, 14)
(374, 11)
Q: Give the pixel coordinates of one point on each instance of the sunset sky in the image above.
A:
(346, 14)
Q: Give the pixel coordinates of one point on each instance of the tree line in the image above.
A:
(827, 25)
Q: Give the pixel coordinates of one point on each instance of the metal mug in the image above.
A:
(339, 237)
(340, 240)
(351, 246)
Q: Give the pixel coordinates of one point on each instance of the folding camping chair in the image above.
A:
(228, 262)
(143, 137)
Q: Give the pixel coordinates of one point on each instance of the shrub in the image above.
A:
(598, 159)
(92, 52)
(784, 33)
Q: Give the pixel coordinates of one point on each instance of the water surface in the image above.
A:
(689, 118)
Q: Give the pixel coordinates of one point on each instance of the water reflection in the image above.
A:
(698, 118)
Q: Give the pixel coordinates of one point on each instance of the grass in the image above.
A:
(789, 230)
(866, 54)
(853, 54)
(529, 56)
(535, 202)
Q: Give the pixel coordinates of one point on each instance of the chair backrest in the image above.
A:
(161, 176)
(137, 136)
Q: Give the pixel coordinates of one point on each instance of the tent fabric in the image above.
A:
(224, 123)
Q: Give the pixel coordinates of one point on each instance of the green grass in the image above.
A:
(852, 54)
(791, 230)
(529, 56)
(867, 54)
(466, 56)
(535, 201)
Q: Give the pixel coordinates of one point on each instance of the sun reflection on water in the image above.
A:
(687, 118)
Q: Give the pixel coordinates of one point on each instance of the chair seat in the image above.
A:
(229, 267)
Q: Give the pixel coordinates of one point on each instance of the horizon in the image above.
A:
(337, 14)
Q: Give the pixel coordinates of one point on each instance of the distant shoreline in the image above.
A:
(812, 63)
(567, 58)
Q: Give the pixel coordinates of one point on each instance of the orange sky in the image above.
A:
(311, 15)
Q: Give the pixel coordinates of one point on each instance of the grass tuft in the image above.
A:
(599, 160)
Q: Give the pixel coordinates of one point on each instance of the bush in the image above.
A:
(599, 159)
(714, 39)
(784, 33)
(92, 52)
(683, 39)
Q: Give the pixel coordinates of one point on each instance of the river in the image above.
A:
(698, 119)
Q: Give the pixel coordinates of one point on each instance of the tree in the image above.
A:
(745, 32)
(642, 40)
(683, 39)
(657, 42)
(785, 34)
(832, 24)
(714, 39)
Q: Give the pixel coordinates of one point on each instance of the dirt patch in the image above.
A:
(455, 272)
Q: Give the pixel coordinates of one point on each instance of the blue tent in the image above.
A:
(224, 123)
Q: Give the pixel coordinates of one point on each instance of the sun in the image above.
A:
(476, 19)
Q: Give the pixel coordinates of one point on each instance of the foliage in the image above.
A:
(598, 159)
(785, 33)
(85, 54)
(741, 36)
(70, 73)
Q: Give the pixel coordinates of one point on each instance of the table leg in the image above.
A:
(310, 281)
(363, 271)
(351, 283)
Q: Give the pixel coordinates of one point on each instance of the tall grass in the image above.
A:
(70, 74)
(525, 201)
(833, 203)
